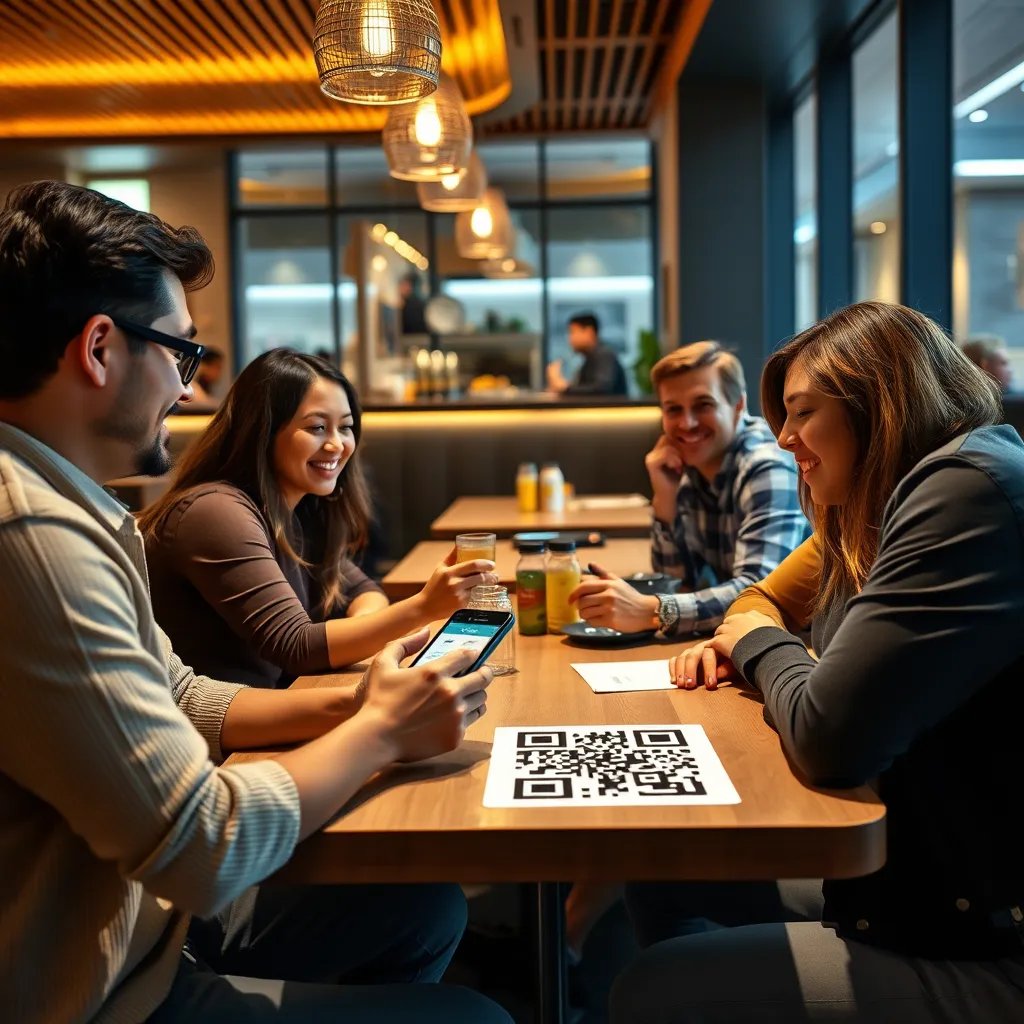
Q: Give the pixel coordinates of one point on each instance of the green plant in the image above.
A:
(650, 353)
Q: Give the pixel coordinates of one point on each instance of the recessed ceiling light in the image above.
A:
(977, 116)
(878, 227)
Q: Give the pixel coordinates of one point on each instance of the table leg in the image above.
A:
(551, 960)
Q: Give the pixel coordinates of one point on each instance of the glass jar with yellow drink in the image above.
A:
(562, 577)
(526, 487)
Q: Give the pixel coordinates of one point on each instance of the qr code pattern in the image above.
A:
(608, 763)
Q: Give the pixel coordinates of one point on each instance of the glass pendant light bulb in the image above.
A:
(378, 33)
(481, 222)
(427, 128)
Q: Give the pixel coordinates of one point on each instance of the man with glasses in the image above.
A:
(118, 821)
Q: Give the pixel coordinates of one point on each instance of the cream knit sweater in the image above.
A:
(115, 820)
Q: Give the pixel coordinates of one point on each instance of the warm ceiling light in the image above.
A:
(429, 139)
(507, 269)
(377, 51)
(481, 222)
(877, 227)
(463, 192)
(485, 233)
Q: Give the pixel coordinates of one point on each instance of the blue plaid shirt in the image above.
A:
(730, 533)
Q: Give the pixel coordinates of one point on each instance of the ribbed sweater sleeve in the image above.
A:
(122, 765)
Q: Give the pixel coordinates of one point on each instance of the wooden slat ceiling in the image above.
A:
(143, 68)
(101, 68)
(606, 64)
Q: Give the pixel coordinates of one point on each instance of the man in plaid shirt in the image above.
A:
(725, 501)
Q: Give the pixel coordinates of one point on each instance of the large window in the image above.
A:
(334, 255)
(876, 184)
(805, 205)
(988, 117)
(285, 282)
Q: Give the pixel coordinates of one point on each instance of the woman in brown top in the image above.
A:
(248, 551)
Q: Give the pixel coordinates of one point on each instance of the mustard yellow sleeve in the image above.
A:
(786, 594)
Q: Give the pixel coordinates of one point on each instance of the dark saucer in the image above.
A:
(602, 636)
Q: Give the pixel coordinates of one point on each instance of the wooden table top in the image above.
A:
(620, 555)
(427, 822)
(501, 515)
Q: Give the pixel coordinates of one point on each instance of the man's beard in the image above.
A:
(128, 424)
(153, 461)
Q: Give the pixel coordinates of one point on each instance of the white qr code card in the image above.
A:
(601, 765)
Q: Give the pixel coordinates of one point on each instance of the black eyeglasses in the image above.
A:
(187, 354)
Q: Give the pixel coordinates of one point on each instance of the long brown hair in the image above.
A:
(906, 388)
(237, 447)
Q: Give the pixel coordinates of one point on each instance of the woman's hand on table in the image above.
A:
(710, 661)
(449, 585)
(701, 663)
(606, 600)
(424, 710)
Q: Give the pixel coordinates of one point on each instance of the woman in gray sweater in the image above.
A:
(912, 583)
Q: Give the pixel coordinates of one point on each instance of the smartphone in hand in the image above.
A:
(469, 628)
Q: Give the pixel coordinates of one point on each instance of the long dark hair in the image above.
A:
(237, 447)
(906, 389)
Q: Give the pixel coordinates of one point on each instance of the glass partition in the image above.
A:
(876, 168)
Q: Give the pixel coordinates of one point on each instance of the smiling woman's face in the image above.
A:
(818, 433)
(311, 449)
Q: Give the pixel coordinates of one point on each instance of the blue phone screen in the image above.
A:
(457, 636)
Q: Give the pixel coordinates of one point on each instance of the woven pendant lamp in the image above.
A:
(431, 138)
(507, 269)
(485, 232)
(377, 51)
(455, 192)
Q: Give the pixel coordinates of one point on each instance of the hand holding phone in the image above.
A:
(423, 711)
(472, 629)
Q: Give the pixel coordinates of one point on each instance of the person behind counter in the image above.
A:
(911, 583)
(600, 373)
(249, 549)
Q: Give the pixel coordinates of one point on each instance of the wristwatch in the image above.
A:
(667, 617)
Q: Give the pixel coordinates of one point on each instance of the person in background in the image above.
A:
(414, 319)
(600, 373)
(118, 819)
(250, 549)
(209, 375)
(912, 585)
(725, 503)
(989, 352)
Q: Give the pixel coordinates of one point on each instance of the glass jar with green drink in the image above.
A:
(530, 589)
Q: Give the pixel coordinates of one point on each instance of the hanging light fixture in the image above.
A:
(507, 268)
(485, 232)
(455, 192)
(377, 51)
(431, 138)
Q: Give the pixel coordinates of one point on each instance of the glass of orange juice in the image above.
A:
(474, 545)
